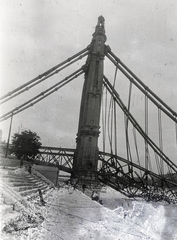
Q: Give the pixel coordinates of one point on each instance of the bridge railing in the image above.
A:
(60, 157)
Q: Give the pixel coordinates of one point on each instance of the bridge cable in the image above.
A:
(136, 148)
(157, 163)
(104, 116)
(110, 115)
(160, 138)
(110, 124)
(129, 155)
(127, 121)
(143, 88)
(153, 97)
(150, 164)
(140, 82)
(138, 127)
(114, 110)
(176, 132)
(43, 94)
(26, 87)
(115, 128)
(106, 109)
(170, 173)
(103, 120)
(7, 115)
(146, 133)
(46, 73)
(146, 90)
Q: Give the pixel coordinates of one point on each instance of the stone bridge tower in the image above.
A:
(86, 155)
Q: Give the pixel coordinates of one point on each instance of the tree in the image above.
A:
(25, 145)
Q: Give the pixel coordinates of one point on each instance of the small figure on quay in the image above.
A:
(41, 197)
(21, 162)
(83, 187)
(94, 196)
(29, 167)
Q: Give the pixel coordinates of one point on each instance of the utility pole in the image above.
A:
(7, 148)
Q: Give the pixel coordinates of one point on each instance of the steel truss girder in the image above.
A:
(123, 176)
(60, 157)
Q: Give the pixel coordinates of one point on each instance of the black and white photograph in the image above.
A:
(88, 120)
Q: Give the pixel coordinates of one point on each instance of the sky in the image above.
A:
(37, 35)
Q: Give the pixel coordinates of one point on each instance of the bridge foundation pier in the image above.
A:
(84, 177)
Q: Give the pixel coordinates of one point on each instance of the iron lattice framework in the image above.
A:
(132, 175)
(127, 177)
(60, 157)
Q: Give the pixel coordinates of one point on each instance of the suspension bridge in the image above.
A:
(136, 156)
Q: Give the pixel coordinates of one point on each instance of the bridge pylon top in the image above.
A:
(100, 24)
(100, 28)
(99, 38)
